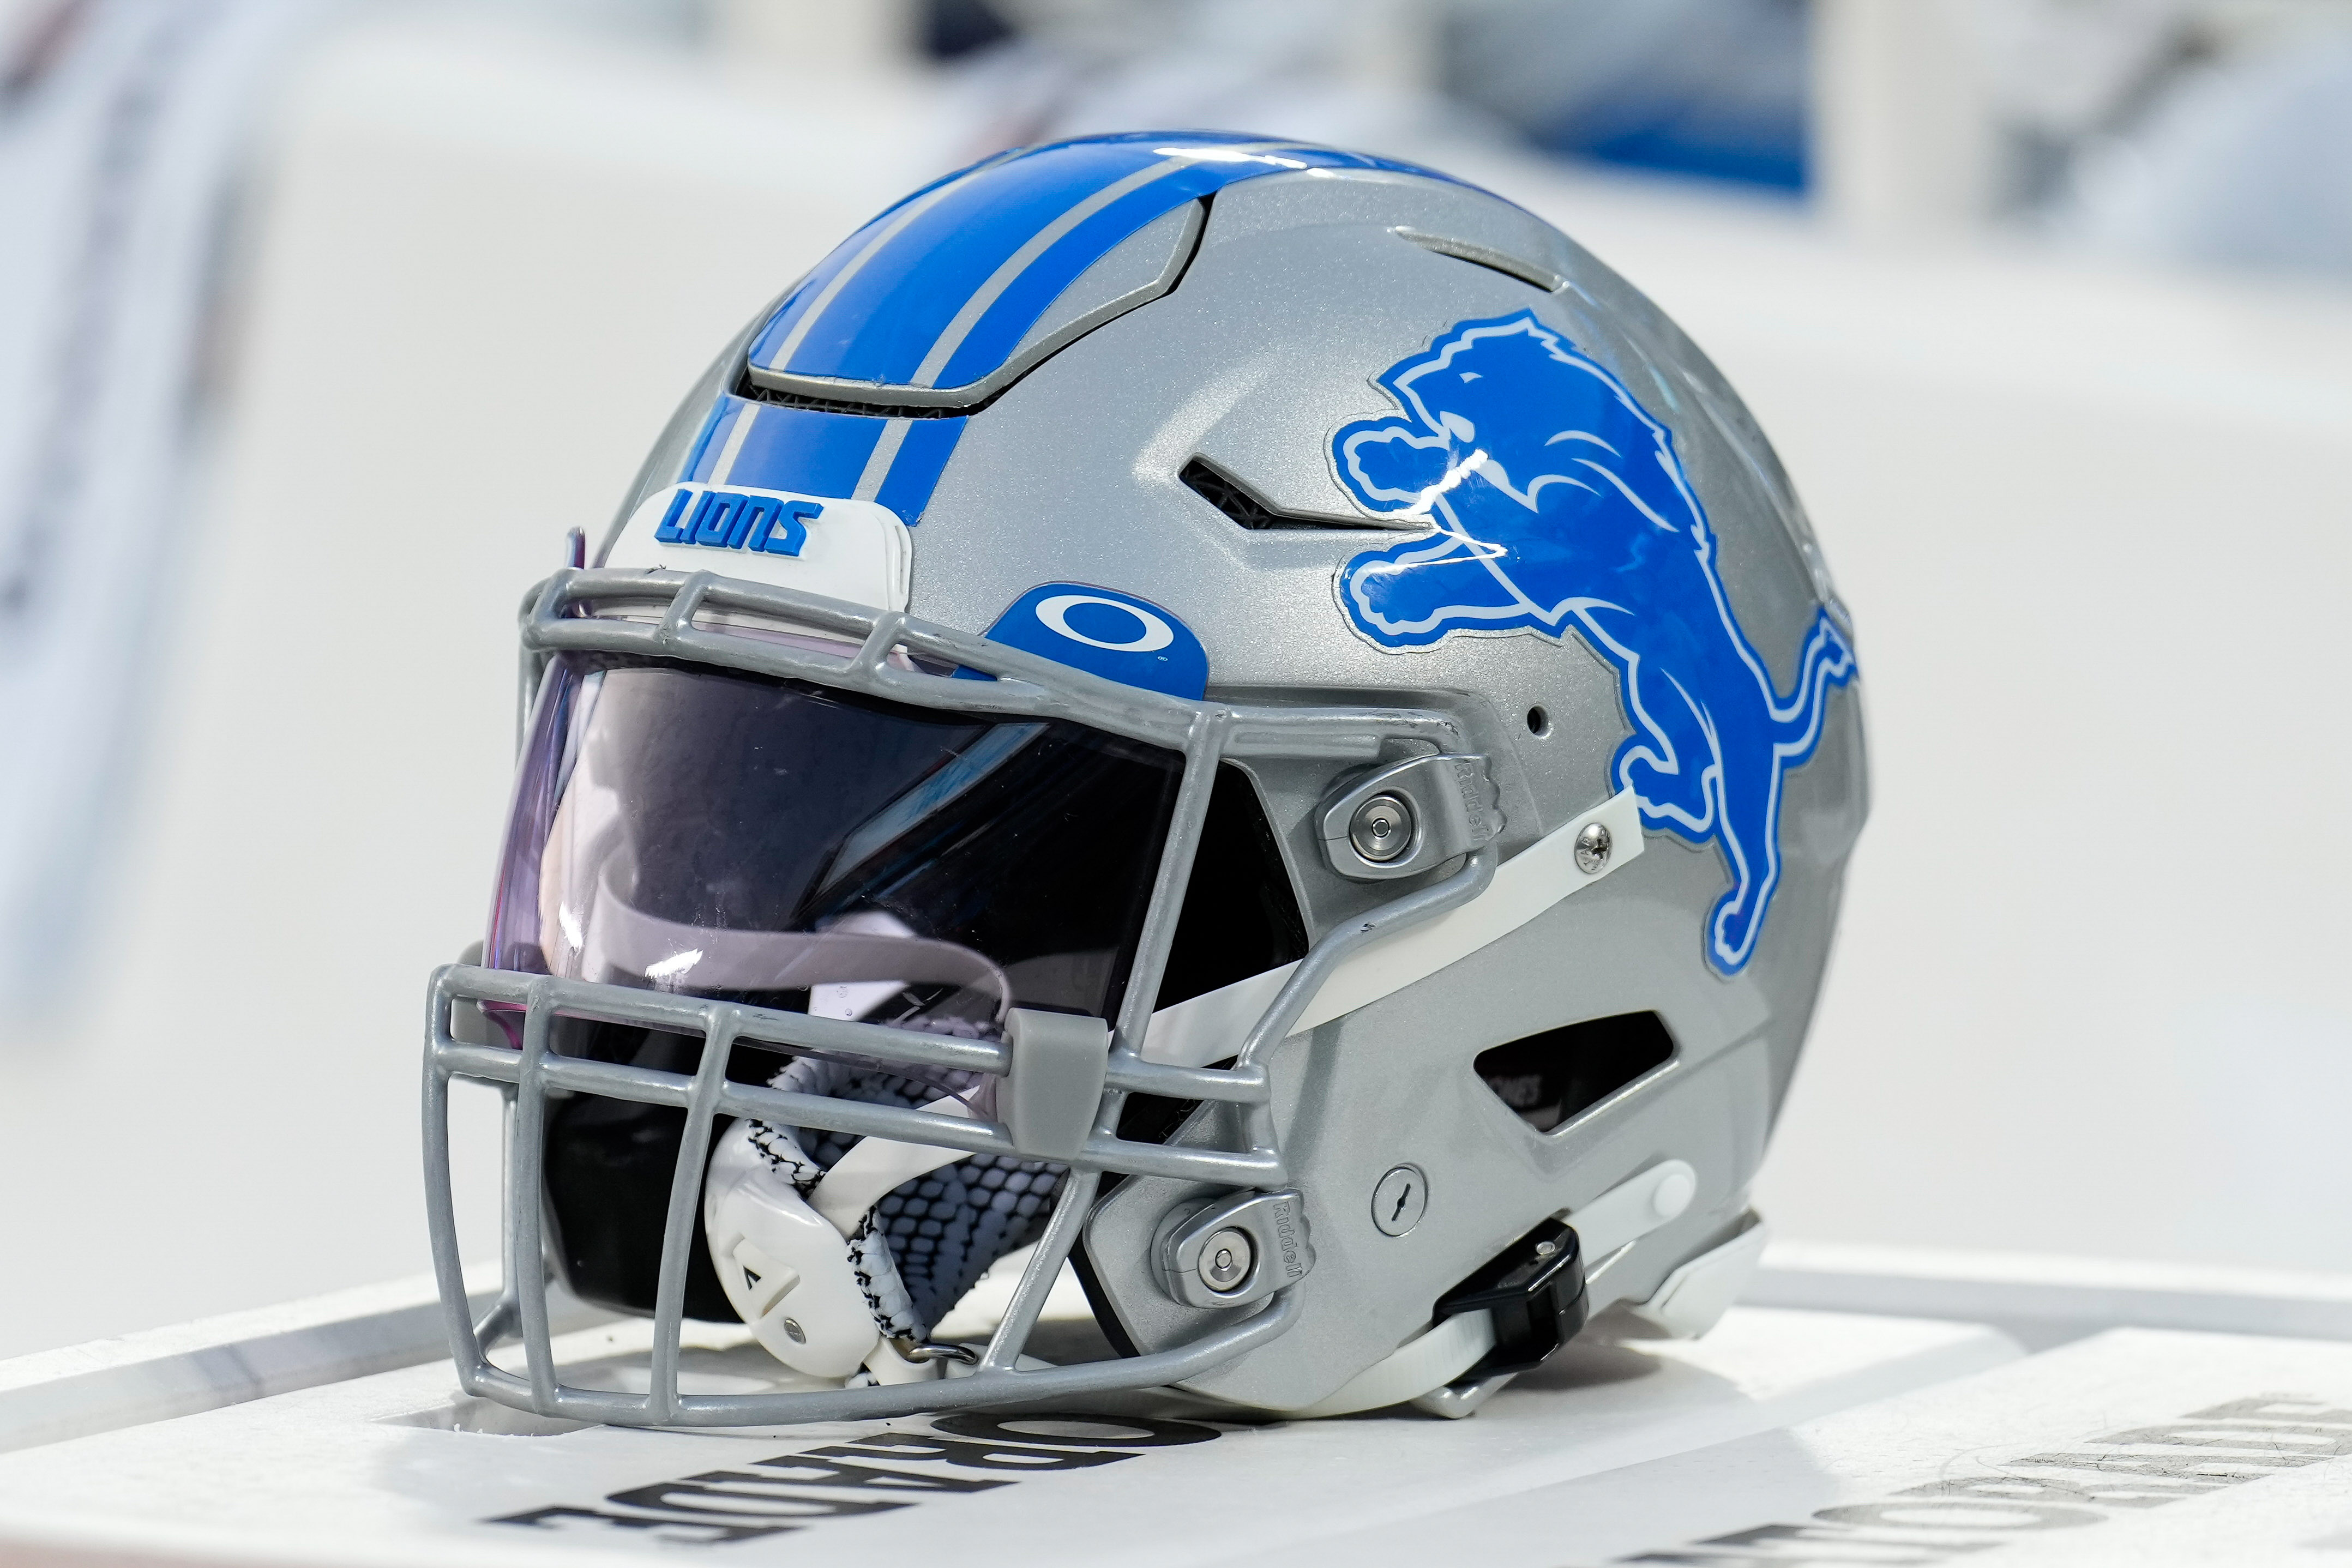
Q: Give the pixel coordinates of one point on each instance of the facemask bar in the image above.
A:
(657, 614)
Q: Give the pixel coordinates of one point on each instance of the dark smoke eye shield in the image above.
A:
(637, 618)
(718, 833)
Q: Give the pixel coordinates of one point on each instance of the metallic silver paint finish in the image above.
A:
(1301, 290)
(1301, 294)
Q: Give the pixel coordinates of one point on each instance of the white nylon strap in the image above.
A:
(1209, 1028)
(1431, 1360)
(1435, 1357)
(874, 1166)
(1630, 1211)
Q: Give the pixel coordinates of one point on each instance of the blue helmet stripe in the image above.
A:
(710, 452)
(941, 288)
(881, 319)
(809, 297)
(701, 447)
(1145, 183)
(915, 472)
(810, 452)
(1009, 316)
(811, 301)
(881, 324)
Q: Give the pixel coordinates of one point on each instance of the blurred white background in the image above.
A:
(2048, 307)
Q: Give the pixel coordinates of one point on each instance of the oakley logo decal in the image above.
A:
(1555, 502)
(1108, 634)
(729, 519)
(1150, 632)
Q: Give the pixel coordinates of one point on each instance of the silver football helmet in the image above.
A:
(1240, 716)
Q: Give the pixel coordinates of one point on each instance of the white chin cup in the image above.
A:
(785, 1267)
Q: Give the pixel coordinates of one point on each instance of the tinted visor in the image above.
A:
(686, 829)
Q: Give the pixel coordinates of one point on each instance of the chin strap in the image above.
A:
(797, 1255)
(1425, 1366)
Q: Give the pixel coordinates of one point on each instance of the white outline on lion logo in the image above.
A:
(1556, 502)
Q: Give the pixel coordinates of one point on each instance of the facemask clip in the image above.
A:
(1231, 1253)
(1409, 817)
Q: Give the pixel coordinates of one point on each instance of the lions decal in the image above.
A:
(1554, 499)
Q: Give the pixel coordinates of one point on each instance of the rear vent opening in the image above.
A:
(1226, 494)
(1548, 1077)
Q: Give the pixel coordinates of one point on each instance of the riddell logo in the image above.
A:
(1286, 1231)
(729, 519)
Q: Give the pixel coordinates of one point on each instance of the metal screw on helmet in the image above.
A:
(1592, 847)
(794, 1332)
(1400, 1200)
(1382, 829)
(1226, 1259)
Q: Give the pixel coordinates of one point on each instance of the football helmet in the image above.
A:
(1242, 717)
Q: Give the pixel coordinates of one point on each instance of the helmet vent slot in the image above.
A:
(1229, 495)
(1535, 275)
(1141, 267)
(1548, 1078)
(753, 390)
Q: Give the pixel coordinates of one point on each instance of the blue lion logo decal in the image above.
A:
(1556, 500)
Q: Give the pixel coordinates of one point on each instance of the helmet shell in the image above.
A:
(1258, 319)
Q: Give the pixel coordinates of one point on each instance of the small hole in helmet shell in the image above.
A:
(1539, 722)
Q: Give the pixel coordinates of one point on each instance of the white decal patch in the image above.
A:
(856, 551)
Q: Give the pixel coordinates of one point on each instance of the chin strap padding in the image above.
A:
(795, 1249)
(787, 1270)
(905, 1227)
(874, 1167)
(799, 1250)
(1431, 1359)
(1688, 1302)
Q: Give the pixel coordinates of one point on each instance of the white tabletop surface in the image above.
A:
(326, 1433)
